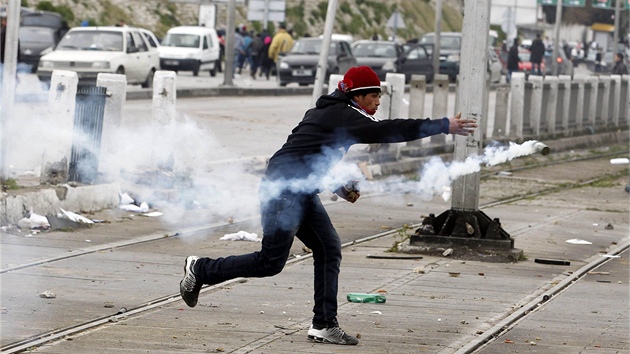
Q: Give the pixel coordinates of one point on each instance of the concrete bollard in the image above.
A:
(624, 111)
(564, 101)
(61, 107)
(592, 101)
(116, 86)
(384, 110)
(535, 111)
(440, 103)
(550, 111)
(333, 81)
(164, 97)
(501, 111)
(604, 104)
(397, 82)
(417, 91)
(517, 105)
(615, 99)
(579, 102)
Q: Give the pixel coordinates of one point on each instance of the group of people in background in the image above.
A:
(258, 51)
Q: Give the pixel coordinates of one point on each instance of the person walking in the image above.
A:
(238, 44)
(281, 42)
(620, 67)
(256, 47)
(513, 60)
(537, 51)
(265, 61)
(289, 202)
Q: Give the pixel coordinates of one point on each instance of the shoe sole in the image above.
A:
(323, 340)
(186, 270)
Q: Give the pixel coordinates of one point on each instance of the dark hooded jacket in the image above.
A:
(327, 131)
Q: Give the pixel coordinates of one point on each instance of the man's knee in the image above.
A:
(273, 267)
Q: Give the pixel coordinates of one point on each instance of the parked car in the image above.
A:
(38, 34)
(416, 60)
(565, 66)
(450, 48)
(190, 48)
(300, 63)
(92, 50)
(494, 66)
(381, 56)
(526, 65)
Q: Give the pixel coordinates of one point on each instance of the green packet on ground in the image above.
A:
(369, 298)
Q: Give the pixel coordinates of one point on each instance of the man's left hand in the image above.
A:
(461, 126)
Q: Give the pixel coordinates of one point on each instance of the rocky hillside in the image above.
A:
(361, 18)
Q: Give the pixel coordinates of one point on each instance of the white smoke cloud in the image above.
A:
(437, 176)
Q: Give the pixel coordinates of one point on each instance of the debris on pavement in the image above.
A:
(577, 241)
(241, 236)
(448, 252)
(76, 217)
(34, 221)
(48, 295)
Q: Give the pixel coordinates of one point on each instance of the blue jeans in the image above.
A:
(283, 217)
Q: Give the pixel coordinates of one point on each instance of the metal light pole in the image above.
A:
(8, 82)
(556, 38)
(616, 32)
(436, 37)
(322, 64)
(228, 73)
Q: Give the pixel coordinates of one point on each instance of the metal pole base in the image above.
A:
(468, 234)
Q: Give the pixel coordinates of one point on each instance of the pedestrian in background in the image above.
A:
(537, 51)
(620, 67)
(238, 44)
(255, 48)
(289, 202)
(281, 43)
(513, 60)
(266, 62)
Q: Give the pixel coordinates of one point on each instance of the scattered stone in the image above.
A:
(48, 295)
(448, 252)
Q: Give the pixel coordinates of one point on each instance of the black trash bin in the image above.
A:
(88, 129)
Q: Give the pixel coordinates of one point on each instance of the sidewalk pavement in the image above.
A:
(434, 304)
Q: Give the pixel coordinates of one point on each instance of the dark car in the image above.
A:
(39, 33)
(381, 56)
(416, 60)
(300, 63)
(450, 48)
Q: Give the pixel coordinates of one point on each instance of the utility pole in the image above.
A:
(322, 64)
(556, 38)
(436, 37)
(228, 73)
(8, 83)
(616, 32)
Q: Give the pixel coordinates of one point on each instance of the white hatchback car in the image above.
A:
(92, 50)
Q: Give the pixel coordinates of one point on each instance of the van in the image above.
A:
(39, 33)
(190, 48)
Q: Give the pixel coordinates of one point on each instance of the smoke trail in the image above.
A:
(437, 176)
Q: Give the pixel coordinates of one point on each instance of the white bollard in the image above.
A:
(552, 104)
(440, 104)
(605, 102)
(564, 101)
(579, 109)
(383, 111)
(109, 159)
(615, 106)
(333, 82)
(417, 91)
(625, 99)
(397, 82)
(517, 106)
(61, 106)
(501, 111)
(164, 97)
(536, 104)
(592, 104)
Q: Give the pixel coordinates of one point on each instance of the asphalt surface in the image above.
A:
(434, 304)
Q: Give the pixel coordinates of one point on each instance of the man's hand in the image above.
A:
(349, 194)
(461, 126)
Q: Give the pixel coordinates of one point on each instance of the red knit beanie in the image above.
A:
(360, 80)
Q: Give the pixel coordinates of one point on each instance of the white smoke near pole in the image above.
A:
(437, 176)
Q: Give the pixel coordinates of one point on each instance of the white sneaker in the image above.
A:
(333, 335)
